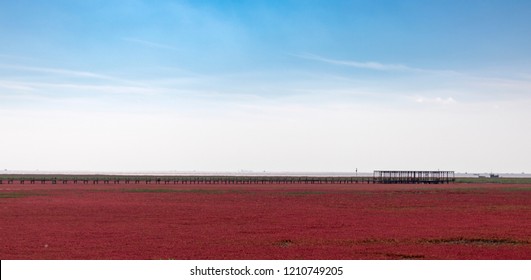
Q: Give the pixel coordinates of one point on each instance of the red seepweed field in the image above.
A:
(265, 221)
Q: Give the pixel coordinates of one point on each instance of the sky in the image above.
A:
(300, 86)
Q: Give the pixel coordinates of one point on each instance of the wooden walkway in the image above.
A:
(379, 177)
(188, 180)
(413, 177)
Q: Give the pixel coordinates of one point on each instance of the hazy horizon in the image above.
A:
(325, 86)
(243, 173)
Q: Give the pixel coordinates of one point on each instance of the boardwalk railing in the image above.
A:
(379, 177)
(110, 179)
(413, 177)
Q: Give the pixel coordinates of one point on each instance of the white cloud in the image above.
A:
(66, 73)
(434, 100)
(357, 64)
(433, 86)
(104, 89)
(502, 83)
(16, 86)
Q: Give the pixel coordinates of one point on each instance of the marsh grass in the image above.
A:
(301, 193)
(18, 194)
(199, 191)
(405, 256)
(476, 241)
(516, 189)
(12, 195)
(494, 180)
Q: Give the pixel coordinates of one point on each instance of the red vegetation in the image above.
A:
(357, 221)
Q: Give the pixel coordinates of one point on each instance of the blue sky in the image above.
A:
(266, 85)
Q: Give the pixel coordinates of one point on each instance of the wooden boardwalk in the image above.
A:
(110, 179)
(379, 177)
(413, 177)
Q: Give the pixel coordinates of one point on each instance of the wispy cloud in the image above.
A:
(79, 87)
(357, 64)
(523, 85)
(435, 86)
(434, 100)
(17, 57)
(66, 72)
(57, 80)
(15, 86)
(150, 44)
(372, 65)
(111, 89)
